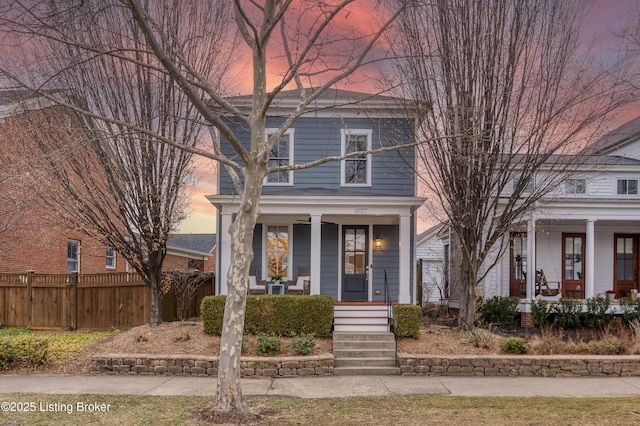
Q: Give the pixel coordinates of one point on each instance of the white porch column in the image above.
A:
(589, 261)
(225, 251)
(316, 252)
(531, 258)
(405, 266)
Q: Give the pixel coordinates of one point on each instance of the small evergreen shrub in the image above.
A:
(630, 309)
(268, 345)
(303, 344)
(408, 319)
(568, 312)
(540, 313)
(501, 310)
(514, 346)
(596, 315)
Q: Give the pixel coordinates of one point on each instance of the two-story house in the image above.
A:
(349, 224)
(582, 239)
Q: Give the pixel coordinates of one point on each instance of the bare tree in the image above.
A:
(505, 92)
(317, 45)
(137, 191)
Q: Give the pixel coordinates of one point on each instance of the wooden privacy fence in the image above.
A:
(87, 301)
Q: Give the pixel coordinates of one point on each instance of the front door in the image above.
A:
(518, 264)
(625, 269)
(355, 265)
(573, 257)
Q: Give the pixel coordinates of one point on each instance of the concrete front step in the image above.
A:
(364, 353)
(362, 337)
(366, 371)
(364, 362)
(361, 327)
(364, 344)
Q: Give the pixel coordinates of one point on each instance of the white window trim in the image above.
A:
(343, 143)
(265, 227)
(78, 244)
(115, 257)
(627, 178)
(291, 133)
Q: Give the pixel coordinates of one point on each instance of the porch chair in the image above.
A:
(542, 285)
(301, 281)
(256, 286)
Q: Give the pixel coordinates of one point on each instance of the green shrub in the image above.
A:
(514, 345)
(274, 314)
(540, 313)
(501, 310)
(303, 344)
(14, 331)
(612, 346)
(268, 345)
(408, 319)
(596, 315)
(29, 348)
(568, 312)
(478, 337)
(630, 309)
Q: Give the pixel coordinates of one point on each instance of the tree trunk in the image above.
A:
(467, 312)
(155, 290)
(229, 391)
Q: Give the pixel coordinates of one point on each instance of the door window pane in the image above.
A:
(573, 258)
(277, 250)
(624, 258)
(519, 255)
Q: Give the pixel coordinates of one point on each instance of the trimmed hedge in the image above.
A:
(408, 318)
(29, 348)
(282, 315)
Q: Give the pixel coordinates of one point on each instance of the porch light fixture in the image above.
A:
(378, 243)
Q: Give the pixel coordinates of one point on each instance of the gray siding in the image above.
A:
(257, 250)
(386, 259)
(301, 247)
(329, 261)
(316, 138)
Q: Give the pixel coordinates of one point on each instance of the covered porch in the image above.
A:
(576, 253)
(346, 243)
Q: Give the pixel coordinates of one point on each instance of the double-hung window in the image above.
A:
(356, 170)
(110, 258)
(73, 256)
(528, 186)
(281, 155)
(627, 187)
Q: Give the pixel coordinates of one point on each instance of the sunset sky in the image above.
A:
(606, 16)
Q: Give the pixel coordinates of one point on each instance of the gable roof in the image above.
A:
(620, 136)
(425, 235)
(196, 243)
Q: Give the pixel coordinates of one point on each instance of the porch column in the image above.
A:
(589, 261)
(225, 251)
(531, 258)
(404, 273)
(316, 252)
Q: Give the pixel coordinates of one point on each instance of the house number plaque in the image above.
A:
(360, 210)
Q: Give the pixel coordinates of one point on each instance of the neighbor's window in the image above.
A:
(528, 189)
(356, 171)
(575, 186)
(73, 256)
(277, 250)
(281, 155)
(111, 258)
(628, 186)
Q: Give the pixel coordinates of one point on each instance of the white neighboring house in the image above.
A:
(430, 255)
(584, 236)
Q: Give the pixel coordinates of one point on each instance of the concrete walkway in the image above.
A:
(326, 387)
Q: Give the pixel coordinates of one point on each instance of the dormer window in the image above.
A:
(356, 170)
(281, 155)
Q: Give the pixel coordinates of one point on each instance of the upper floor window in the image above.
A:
(111, 258)
(356, 171)
(281, 155)
(73, 256)
(575, 186)
(628, 186)
(528, 188)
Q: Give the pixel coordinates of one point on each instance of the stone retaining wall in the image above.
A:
(521, 365)
(410, 365)
(200, 365)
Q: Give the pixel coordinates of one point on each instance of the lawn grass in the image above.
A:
(379, 411)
